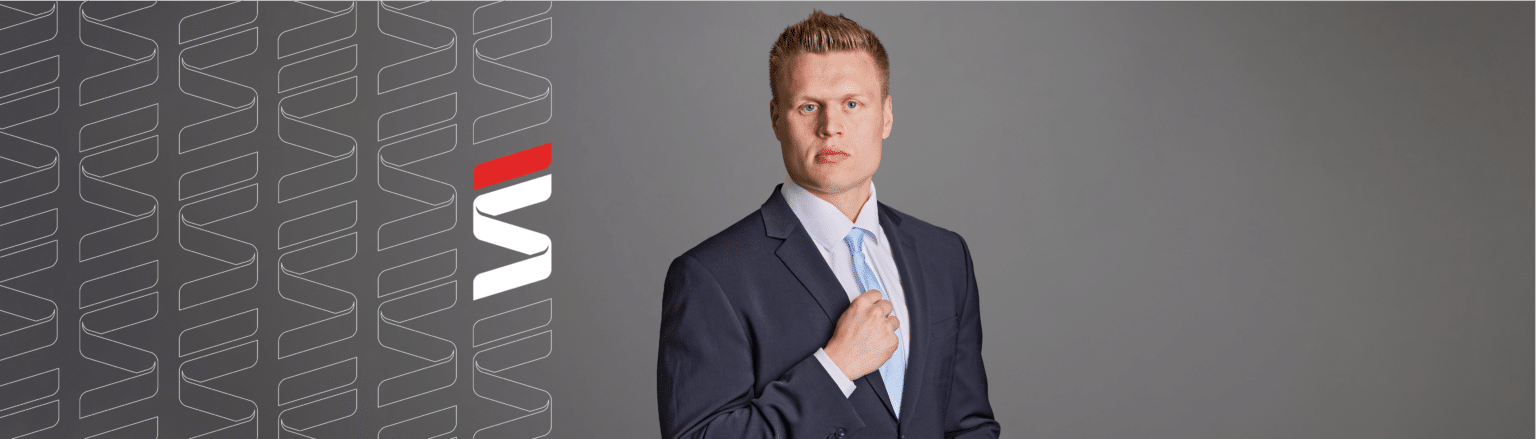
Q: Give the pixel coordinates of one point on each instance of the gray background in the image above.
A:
(1188, 220)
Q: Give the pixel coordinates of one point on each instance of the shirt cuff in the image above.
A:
(842, 380)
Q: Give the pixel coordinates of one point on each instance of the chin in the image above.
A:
(834, 183)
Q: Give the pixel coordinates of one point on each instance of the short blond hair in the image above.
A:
(822, 33)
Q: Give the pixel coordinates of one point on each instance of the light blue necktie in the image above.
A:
(894, 369)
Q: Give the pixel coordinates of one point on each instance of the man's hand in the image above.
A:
(865, 336)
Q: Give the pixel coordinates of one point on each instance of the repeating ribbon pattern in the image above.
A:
(511, 28)
(494, 367)
(217, 351)
(238, 101)
(98, 31)
(118, 143)
(317, 239)
(530, 94)
(29, 171)
(414, 131)
(202, 302)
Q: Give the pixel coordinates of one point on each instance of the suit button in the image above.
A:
(839, 434)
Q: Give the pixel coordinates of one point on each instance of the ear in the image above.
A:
(773, 116)
(887, 133)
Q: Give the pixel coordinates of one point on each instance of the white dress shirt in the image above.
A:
(827, 226)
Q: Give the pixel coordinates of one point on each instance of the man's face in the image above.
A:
(831, 120)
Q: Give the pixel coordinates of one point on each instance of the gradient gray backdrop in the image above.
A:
(1189, 220)
(1205, 220)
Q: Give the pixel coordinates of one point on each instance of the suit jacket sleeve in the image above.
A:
(970, 412)
(705, 373)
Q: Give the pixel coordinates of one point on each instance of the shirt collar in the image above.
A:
(827, 225)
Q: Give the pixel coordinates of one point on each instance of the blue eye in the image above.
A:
(809, 107)
(852, 105)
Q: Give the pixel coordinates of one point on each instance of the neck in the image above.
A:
(849, 202)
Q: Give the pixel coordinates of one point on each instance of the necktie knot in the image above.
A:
(855, 240)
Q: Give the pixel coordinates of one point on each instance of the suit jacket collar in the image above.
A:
(800, 254)
(827, 225)
(780, 222)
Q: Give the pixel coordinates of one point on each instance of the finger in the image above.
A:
(859, 302)
(886, 307)
(878, 308)
(869, 296)
(895, 323)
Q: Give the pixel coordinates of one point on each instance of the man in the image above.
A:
(825, 313)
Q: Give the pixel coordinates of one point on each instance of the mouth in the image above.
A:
(830, 156)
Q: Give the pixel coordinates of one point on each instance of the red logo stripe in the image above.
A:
(512, 166)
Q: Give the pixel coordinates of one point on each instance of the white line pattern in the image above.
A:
(217, 351)
(28, 245)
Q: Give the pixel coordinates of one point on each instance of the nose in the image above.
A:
(831, 123)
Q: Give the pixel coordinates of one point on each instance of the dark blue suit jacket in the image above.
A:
(744, 312)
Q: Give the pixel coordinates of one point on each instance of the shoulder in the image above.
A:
(927, 235)
(739, 245)
(946, 261)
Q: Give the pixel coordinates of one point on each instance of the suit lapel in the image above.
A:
(905, 253)
(799, 253)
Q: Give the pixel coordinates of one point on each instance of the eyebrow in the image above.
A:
(843, 97)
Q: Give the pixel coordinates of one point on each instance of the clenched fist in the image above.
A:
(865, 336)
